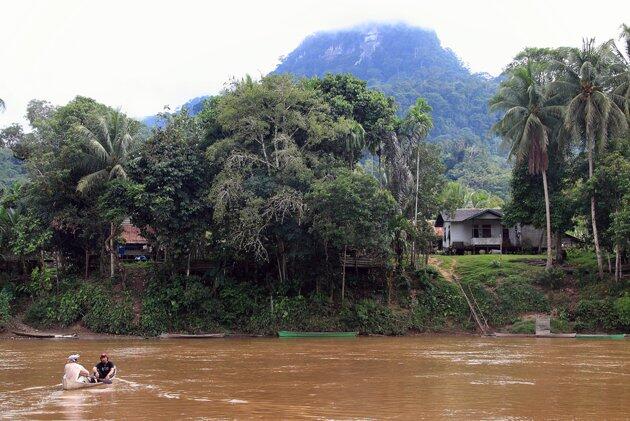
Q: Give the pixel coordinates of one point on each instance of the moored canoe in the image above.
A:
(532, 335)
(292, 334)
(597, 336)
(41, 335)
(191, 336)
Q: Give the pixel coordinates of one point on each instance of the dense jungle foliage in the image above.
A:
(252, 205)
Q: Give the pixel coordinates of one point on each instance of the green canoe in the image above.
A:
(290, 334)
(586, 336)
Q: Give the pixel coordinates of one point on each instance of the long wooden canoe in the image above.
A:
(191, 336)
(532, 335)
(42, 335)
(66, 385)
(291, 334)
(597, 336)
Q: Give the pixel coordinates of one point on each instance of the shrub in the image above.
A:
(182, 303)
(42, 312)
(369, 316)
(42, 281)
(439, 306)
(622, 307)
(109, 316)
(89, 302)
(593, 315)
(5, 308)
(495, 264)
(560, 326)
(523, 326)
(552, 278)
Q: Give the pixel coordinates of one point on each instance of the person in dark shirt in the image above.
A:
(105, 370)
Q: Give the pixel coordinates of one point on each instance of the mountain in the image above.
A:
(404, 62)
(194, 106)
(409, 62)
(11, 169)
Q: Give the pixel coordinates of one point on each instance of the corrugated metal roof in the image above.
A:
(131, 234)
(464, 214)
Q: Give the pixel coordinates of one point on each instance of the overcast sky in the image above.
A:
(142, 55)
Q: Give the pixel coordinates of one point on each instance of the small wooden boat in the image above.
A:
(598, 336)
(66, 385)
(190, 336)
(532, 335)
(42, 335)
(291, 334)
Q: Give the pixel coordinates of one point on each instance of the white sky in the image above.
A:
(142, 55)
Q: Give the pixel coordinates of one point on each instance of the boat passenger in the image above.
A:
(105, 370)
(74, 372)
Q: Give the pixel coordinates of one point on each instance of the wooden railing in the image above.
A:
(490, 241)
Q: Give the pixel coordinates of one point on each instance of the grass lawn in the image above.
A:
(488, 268)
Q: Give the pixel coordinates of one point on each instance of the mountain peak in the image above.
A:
(365, 48)
(405, 62)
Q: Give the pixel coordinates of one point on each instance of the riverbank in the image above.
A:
(508, 291)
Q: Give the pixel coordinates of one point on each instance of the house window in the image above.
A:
(482, 231)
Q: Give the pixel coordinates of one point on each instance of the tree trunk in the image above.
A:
(415, 213)
(390, 287)
(598, 252)
(343, 274)
(617, 262)
(87, 263)
(111, 250)
(188, 265)
(559, 256)
(548, 217)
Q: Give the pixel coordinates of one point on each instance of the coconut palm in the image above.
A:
(106, 146)
(418, 123)
(592, 115)
(416, 126)
(354, 135)
(528, 125)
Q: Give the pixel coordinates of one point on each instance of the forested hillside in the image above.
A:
(404, 62)
(407, 63)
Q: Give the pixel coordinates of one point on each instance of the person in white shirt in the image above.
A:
(74, 372)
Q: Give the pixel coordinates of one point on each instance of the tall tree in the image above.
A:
(352, 211)
(592, 116)
(526, 126)
(167, 192)
(106, 145)
(416, 125)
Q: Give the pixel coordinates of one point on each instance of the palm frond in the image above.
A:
(90, 181)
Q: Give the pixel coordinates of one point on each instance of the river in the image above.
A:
(374, 378)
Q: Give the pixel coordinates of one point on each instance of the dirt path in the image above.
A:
(447, 274)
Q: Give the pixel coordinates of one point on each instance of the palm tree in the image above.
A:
(2, 106)
(527, 125)
(354, 135)
(620, 81)
(592, 115)
(106, 148)
(417, 125)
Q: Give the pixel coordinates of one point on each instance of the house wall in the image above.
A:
(531, 237)
(463, 231)
(445, 238)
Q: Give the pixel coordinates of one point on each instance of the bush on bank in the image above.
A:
(191, 304)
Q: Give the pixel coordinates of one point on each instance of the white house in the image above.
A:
(482, 229)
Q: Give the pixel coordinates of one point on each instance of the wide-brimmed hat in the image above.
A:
(73, 357)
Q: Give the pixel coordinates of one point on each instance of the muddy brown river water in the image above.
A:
(366, 378)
